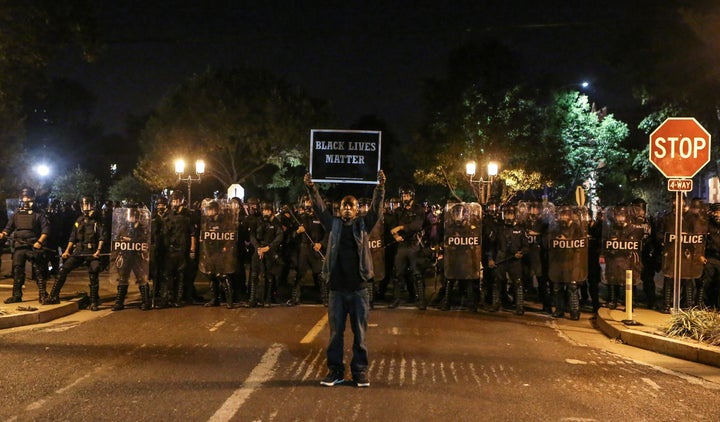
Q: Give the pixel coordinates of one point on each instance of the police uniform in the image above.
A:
(29, 228)
(84, 248)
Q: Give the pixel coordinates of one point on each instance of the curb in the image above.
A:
(659, 344)
(44, 313)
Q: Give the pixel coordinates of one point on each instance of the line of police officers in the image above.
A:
(493, 256)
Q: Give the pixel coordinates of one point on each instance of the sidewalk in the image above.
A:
(30, 311)
(648, 334)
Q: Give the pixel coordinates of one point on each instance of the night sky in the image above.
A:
(366, 57)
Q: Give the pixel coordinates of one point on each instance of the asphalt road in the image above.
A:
(200, 364)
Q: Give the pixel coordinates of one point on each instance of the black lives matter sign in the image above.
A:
(345, 156)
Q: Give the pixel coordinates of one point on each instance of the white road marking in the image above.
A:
(575, 362)
(651, 383)
(260, 374)
(216, 326)
(314, 331)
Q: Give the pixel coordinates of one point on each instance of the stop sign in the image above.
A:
(680, 147)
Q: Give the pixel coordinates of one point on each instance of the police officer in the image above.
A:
(84, 248)
(156, 247)
(30, 228)
(217, 259)
(512, 244)
(310, 236)
(133, 233)
(710, 285)
(179, 247)
(409, 218)
(266, 239)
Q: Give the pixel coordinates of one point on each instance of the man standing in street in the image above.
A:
(347, 269)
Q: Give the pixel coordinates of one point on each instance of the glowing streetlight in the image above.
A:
(483, 185)
(43, 170)
(190, 178)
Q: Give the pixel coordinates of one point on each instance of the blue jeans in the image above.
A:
(341, 304)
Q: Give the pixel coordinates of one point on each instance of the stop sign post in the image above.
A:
(679, 148)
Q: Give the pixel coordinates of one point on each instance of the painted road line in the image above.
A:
(260, 374)
(314, 331)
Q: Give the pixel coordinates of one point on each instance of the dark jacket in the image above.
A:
(361, 225)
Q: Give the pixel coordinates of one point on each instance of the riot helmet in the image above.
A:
(508, 215)
(715, 213)
(87, 204)
(364, 205)
(459, 213)
(620, 216)
(267, 210)
(394, 203)
(177, 199)
(407, 194)
(212, 209)
(564, 215)
(253, 206)
(27, 199)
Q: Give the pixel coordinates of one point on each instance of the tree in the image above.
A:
(75, 184)
(241, 121)
(31, 33)
(591, 151)
(129, 188)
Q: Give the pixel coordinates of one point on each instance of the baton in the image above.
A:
(312, 242)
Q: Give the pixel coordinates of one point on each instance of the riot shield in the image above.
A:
(11, 206)
(621, 244)
(567, 243)
(463, 241)
(692, 249)
(218, 237)
(130, 244)
(533, 217)
(377, 248)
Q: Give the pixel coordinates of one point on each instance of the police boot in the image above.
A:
(519, 298)
(667, 296)
(495, 297)
(42, 286)
(268, 292)
(214, 293)
(54, 297)
(472, 296)
(575, 302)
(612, 296)
(324, 293)
(701, 294)
(227, 288)
(18, 281)
(420, 290)
(145, 299)
(689, 293)
(445, 306)
(295, 294)
(95, 292)
(252, 299)
(178, 298)
(120, 298)
(396, 294)
(558, 300)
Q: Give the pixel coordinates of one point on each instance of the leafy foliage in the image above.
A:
(31, 33)
(130, 188)
(74, 184)
(240, 121)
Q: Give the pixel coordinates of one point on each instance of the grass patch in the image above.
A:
(695, 323)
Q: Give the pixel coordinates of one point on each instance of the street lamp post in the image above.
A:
(199, 171)
(484, 186)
